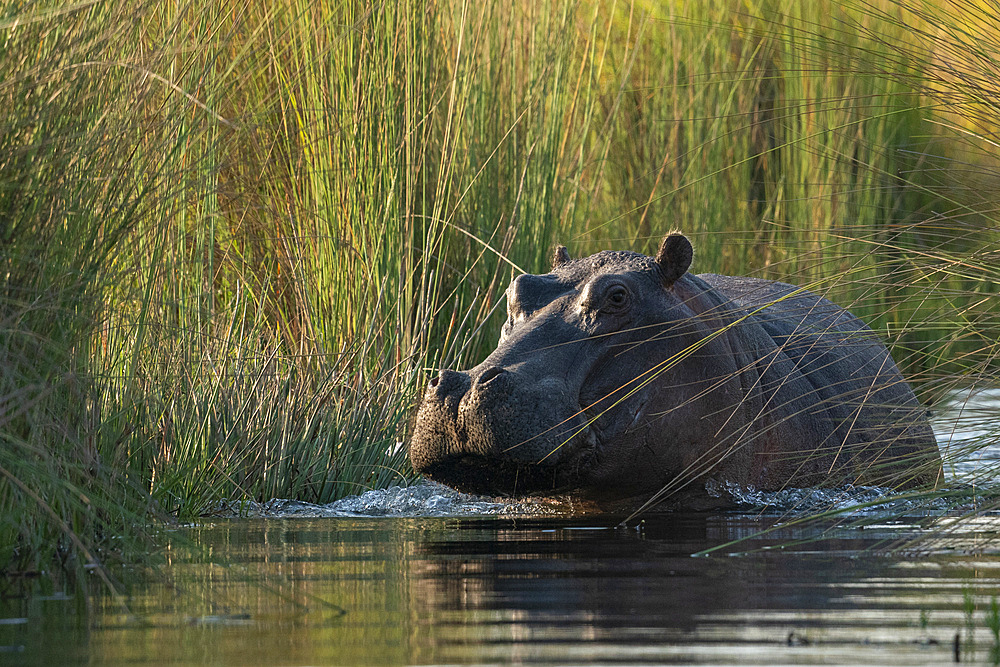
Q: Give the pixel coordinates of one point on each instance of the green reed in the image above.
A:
(68, 198)
(239, 236)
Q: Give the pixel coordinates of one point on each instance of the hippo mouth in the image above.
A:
(472, 473)
(560, 472)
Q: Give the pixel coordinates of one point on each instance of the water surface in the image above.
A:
(393, 590)
(427, 576)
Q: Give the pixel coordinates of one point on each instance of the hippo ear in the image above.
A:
(560, 256)
(674, 257)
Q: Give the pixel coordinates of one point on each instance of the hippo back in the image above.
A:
(824, 374)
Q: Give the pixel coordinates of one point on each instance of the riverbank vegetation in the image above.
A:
(237, 235)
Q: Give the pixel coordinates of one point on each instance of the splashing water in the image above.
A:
(430, 499)
(845, 500)
(425, 499)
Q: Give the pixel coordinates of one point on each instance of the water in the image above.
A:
(424, 575)
(967, 419)
(484, 589)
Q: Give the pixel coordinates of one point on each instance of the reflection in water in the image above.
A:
(440, 590)
(449, 579)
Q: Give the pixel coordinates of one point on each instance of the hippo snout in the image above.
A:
(481, 430)
(454, 403)
(451, 391)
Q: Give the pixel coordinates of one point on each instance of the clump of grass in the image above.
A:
(240, 237)
(310, 265)
(67, 199)
(993, 623)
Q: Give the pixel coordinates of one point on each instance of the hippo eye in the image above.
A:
(617, 299)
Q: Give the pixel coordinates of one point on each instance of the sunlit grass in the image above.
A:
(238, 236)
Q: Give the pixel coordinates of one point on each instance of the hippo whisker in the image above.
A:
(625, 379)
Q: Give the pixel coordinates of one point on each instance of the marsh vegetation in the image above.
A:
(236, 236)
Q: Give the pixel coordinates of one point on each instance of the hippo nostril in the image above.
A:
(448, 383)
(489, 374)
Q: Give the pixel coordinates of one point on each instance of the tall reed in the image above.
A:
(239, 235)
(68, 197)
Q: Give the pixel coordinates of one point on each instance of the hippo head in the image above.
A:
(567, 396)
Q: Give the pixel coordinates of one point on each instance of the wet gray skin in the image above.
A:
(620, 376)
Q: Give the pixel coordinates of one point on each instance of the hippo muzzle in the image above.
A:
(501, 431)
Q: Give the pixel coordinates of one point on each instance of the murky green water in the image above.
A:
(321, 585)
(444, 590)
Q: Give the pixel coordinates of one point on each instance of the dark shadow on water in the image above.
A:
(529, 590)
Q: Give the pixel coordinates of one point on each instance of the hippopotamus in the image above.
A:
(622, 377)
